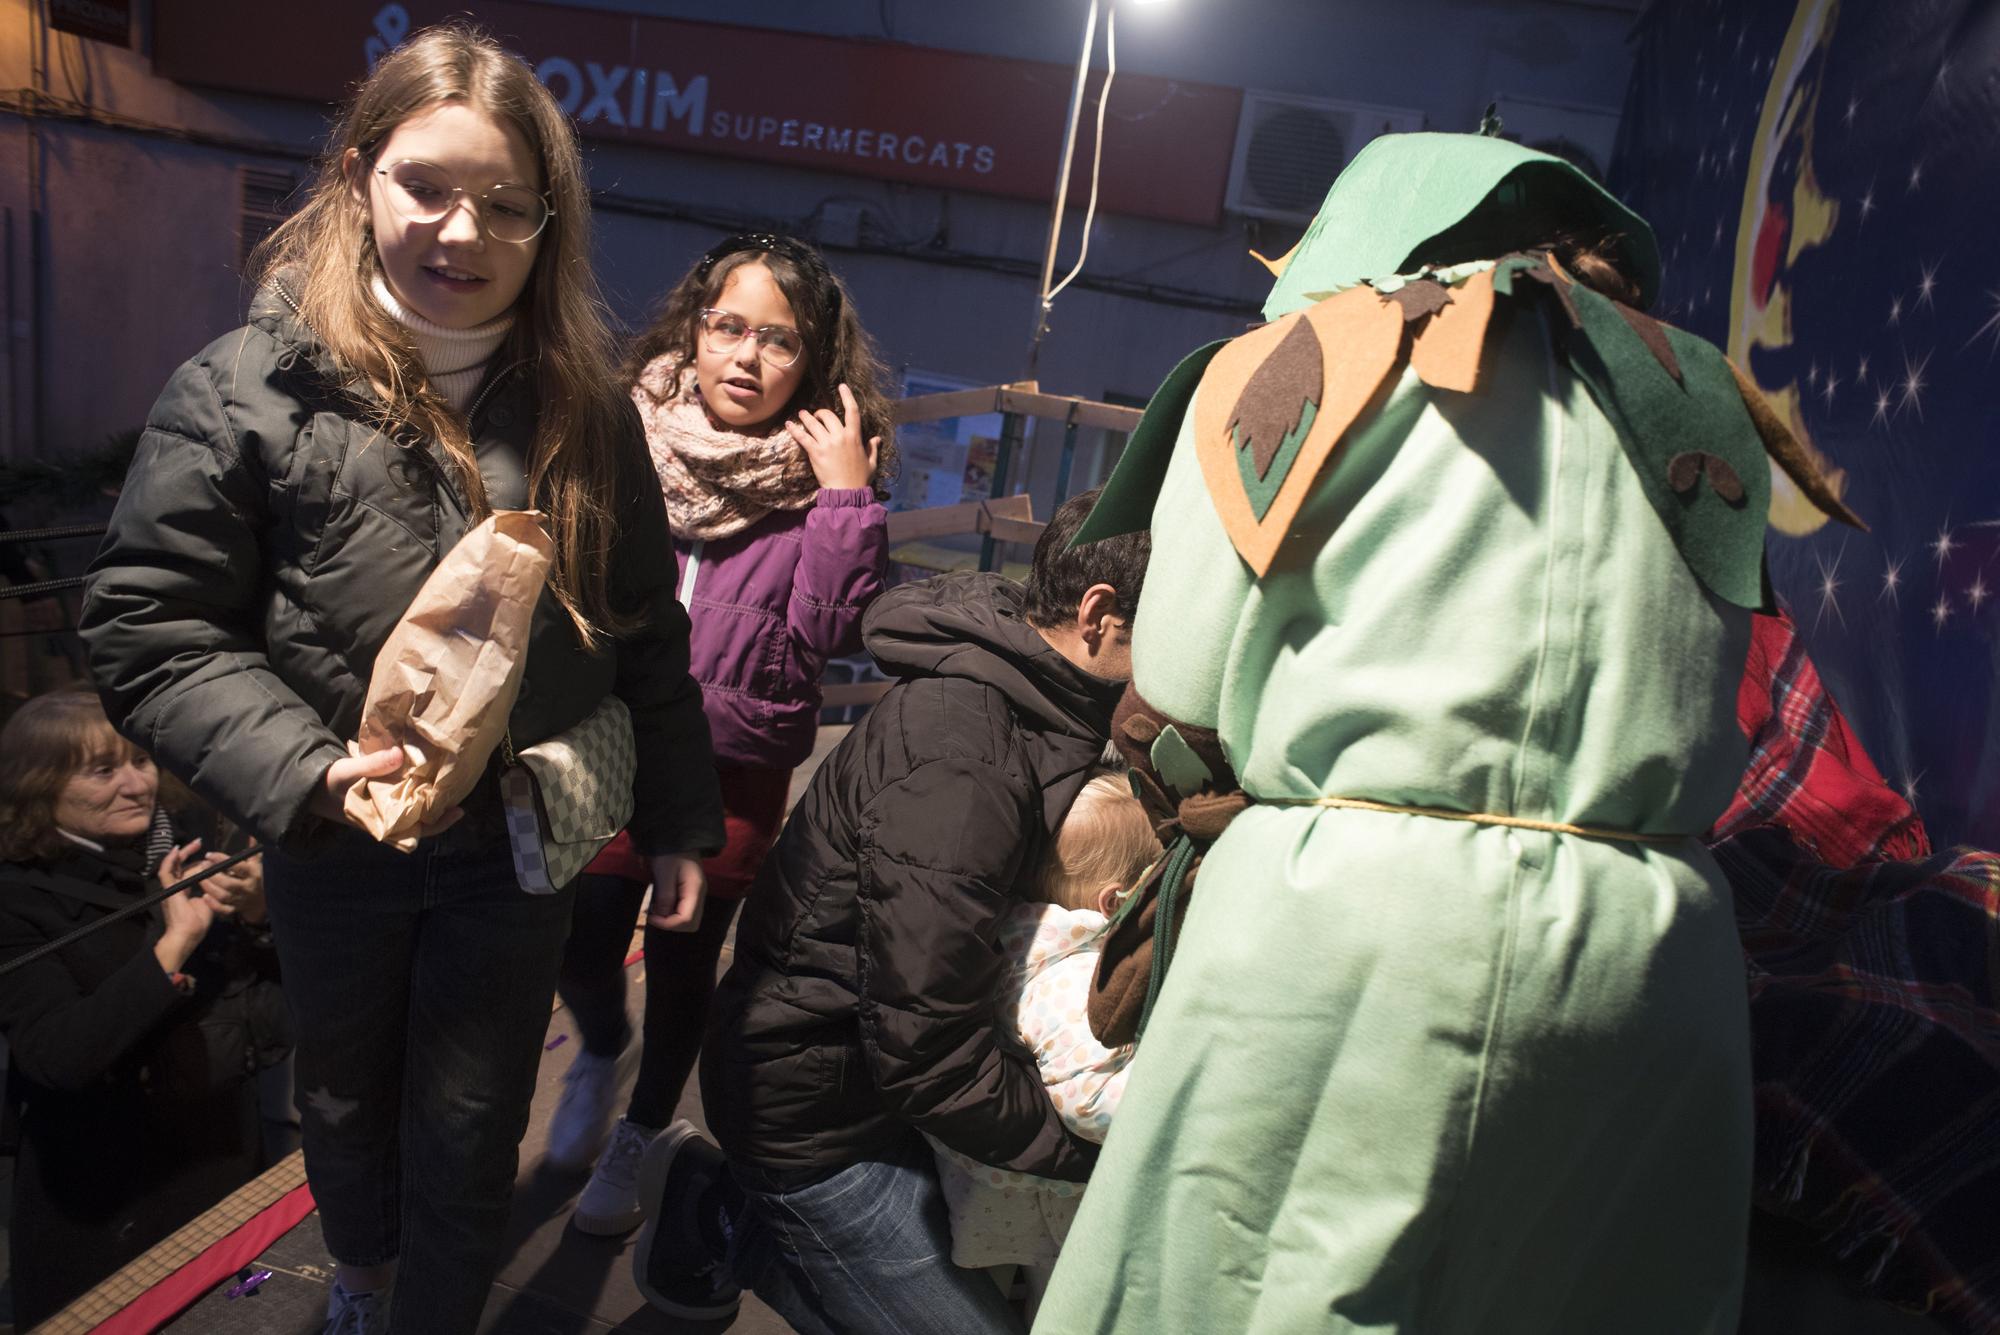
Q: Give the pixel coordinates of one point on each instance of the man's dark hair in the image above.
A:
(1062, 574)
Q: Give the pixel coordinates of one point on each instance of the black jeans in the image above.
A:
(680, 980)
(421, 986)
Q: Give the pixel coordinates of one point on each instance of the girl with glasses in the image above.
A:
(425, 347)
(763, 404)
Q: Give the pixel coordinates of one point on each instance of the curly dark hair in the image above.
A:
(838, 349)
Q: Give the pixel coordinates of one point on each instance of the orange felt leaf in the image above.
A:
(1361, 339)
(1447, 349)
(1277, 266)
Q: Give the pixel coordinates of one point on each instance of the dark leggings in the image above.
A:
(680, 979)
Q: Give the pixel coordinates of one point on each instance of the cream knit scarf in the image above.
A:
(716, 481)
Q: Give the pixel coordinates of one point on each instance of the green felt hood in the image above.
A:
(1442, 198)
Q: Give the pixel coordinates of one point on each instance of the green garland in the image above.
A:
(78, 481)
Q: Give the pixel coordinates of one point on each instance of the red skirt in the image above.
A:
(753, 811)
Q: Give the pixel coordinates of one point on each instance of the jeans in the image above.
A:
(866, 1251)
(421, 987)
(680, 980)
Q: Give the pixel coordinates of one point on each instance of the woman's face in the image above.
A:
(110, 799)
(741, 390)
(450, 271)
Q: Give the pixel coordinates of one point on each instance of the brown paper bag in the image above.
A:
(446, 679)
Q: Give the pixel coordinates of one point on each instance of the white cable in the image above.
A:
(1097, 152)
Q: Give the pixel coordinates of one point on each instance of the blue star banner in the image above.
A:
(1825, 181)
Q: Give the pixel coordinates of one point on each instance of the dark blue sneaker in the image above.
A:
(674, 1264)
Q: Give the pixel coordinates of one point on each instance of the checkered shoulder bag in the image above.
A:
(568, 796)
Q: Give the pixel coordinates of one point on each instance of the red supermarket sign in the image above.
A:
(873, 108)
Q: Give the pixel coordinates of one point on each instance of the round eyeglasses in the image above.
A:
(779, 345)
(424, 194)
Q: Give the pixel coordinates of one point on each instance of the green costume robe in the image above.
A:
(1407, 1073)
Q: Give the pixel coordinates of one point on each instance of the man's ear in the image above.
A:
(1098, 606)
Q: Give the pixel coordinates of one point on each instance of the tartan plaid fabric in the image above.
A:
(1874, 968)
(1807, 772)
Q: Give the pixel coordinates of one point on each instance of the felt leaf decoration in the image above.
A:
(1687, 468)
(1508, 268)
(1797, 461)
(1654, 337)
(1448, 347)
(1360, 339)
(1279, 401)
(1540, 268)
(1658, 419)
(1140, 728)
(1419, 299)
(1177, 764)
(1277, 266)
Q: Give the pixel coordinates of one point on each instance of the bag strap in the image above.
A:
(70, 887)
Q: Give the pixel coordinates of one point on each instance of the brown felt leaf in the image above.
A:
(1141, 729)
(1799, 462)
(1419, 298)
(1274, 400)
(1684, 470)
(1687, 469)
(1654, 336)
(1723, 478)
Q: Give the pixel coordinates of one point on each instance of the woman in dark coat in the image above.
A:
(131, 1052)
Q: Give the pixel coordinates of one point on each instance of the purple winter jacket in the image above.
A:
(769, 607)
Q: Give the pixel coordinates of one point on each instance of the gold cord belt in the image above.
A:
(1476, 818)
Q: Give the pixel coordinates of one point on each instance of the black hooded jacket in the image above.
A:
(268, 540)
(861, 1002)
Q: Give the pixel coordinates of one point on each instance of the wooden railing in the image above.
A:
(999, 518)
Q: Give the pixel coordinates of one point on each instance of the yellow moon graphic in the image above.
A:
(1774, 228)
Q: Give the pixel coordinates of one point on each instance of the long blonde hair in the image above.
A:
(324, 258)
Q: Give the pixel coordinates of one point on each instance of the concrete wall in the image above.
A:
(135, 255)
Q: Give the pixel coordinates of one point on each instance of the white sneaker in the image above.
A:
(583, 1114)
(349, 1313)
(609, 1204)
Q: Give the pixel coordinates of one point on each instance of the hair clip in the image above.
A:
(799, 253)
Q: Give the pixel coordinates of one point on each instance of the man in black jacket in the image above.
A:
(859, 1010)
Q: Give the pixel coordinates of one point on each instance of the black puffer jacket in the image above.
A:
(861, 1000)
(135, 1105)
(268, 540)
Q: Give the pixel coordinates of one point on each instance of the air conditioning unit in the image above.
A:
(1289, 149)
